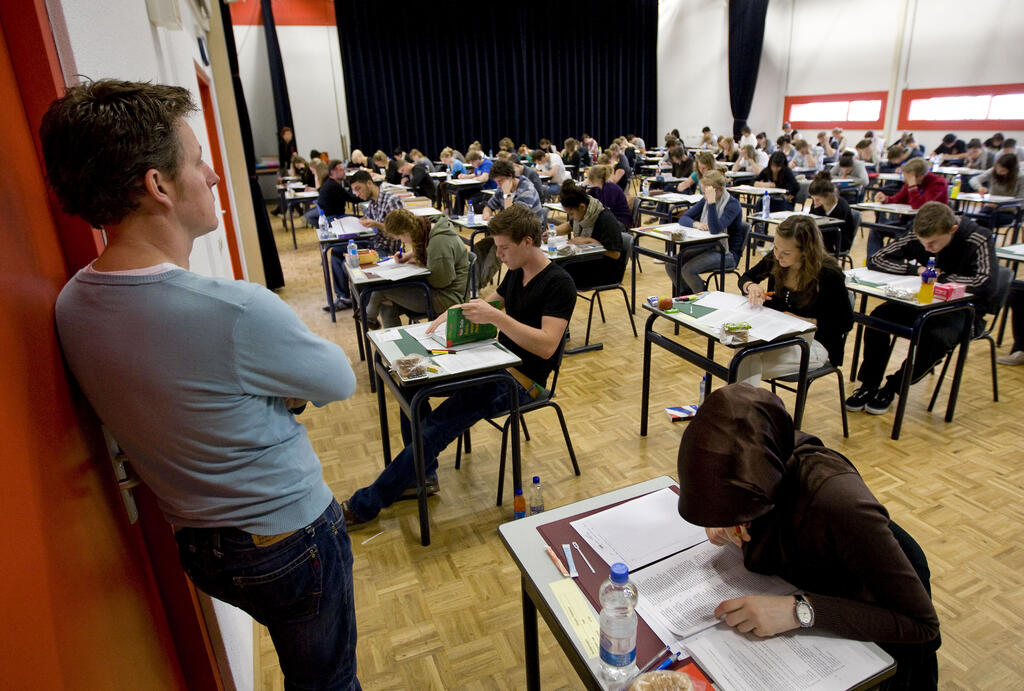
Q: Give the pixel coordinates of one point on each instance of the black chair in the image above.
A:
(595, 296)
(812, 375)
(844, 255)
(470, 292)
(1003, 280)
(713, 274)
(545, 400)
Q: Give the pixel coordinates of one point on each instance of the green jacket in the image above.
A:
(448, 262)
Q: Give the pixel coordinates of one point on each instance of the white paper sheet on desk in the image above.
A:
(488, 355)
(718, 300)
(394, 272)
(347, 225)
(766, 324)
(639, 531)
(684, 589)
(1013, 249)
(794, 661)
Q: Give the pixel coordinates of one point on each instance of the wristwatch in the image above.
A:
(804, 611)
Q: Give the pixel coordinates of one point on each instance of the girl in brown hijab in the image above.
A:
(801, 511)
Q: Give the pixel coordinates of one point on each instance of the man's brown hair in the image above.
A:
(917, 167)
(100, 138)
(933, 218)
(516, 223)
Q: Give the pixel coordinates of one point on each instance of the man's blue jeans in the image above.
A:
(441, 427)
(299, 588)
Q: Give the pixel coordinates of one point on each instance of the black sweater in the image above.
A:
(829, 306)
(786, 181)
(843, 212)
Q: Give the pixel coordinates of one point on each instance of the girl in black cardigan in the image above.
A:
(778, 174)
(804, 280)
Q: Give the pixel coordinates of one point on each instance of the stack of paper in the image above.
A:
(880, 279)
(766, 324)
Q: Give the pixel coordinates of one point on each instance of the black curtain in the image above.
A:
(282, 106)
(746, 34)
(435, 74)
(273, 277)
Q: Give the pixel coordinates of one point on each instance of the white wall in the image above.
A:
(316, 90)
(119, 42)
(833, 46)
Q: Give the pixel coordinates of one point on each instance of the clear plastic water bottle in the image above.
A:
(322, 226)
(352, 252)
(618, 627)
(702, 390)
(519, 504)
(470, 214)
(646, 187)
(536, 496)
(766, 205)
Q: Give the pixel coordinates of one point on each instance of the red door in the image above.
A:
(87, 601)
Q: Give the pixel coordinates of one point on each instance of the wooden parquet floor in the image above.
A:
(448, 616)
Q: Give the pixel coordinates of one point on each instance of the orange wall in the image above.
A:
(78, 608)
(286, 13)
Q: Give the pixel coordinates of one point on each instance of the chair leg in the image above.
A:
(458, 453)
(568, 441)
(842, 403)
(625, 298)
(469, 442)
(600, 305)
(590, 318)
(522, 423)
(501, 464)
(995, 378)
(938, 384)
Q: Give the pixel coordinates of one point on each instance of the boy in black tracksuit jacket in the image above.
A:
(963, 254)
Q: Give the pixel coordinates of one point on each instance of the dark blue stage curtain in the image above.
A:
(746, 34)
(273, 276)
(282, 106)
(435, 74)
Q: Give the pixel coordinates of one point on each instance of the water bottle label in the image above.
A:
(615, 659)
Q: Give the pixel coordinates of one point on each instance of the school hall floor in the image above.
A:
(448, 616)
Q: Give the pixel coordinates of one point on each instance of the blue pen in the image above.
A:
(667, 663)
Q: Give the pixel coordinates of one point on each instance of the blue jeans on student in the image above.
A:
(440, 427)
(300, 588)
(696, 262)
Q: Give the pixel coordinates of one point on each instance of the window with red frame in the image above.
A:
(863, 110)
(995, 107)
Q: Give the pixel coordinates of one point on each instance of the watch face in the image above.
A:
(804, 613)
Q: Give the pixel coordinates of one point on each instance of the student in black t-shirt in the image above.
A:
(334, 195)
(416, 176)
(951, 150)
(538, 297)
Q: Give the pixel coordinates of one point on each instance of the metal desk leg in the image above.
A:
(908, 369)
(325, 260)
(633, 258)
(419, 462)
(965, 340)
(530, 642)
(382, 413)
(645, 391)
(857, 339)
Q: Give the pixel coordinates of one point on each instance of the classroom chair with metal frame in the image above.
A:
(544, 400)
(595, 296)
(1003, 281)
(713, 274)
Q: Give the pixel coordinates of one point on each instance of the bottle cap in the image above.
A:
(620, 573)
(536, 479)
(519, 491)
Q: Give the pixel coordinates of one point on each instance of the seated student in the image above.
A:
(680, 165)
(747, 138)
(639, 144)
(302, 171)
(481, 171)
(381, 203)
(416, 176)
(506, 144)
(358, 161)
(800, 511)
(334, 196)
(908, 142)
(545, 145)
(879, 142)
(707, 140)
(1003, 179)
(778, 174)
(319, 168)
(895, 156)
(806, 281)
(995, 142)
(727, 150)
(785, 145)
(717, 212)
(1010, 147)
(919, 187)
(525, 171)
(551, 164)
(951, 150)
(385, 169)
(513, 189)
(1016, 305)
(751, 160)
(455, 167)
(838, 141)
(847, 166)
(977, 156)
(866, 153)
(571, 155)
(826, 145)
(764, 144)
(590, 222)
(591, 144)
(825, 201)
(539, 297)
(609, 194)
(523, 152)
(787, 130)
(622, 173)
(704, 163)
(807, 156)
(437, 247)
(416, 157)
(963, 254)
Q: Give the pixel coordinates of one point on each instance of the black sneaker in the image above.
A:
(352, 521)
(859, 399)
(339, 305)
(881, 401)
(432, 487)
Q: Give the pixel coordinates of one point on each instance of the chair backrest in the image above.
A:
(558, 362)
(1004, 278)
(635, 212)
(856, 219)
(471, 284)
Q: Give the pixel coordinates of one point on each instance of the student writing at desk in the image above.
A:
(807, 281)
(777, 174)
(416, 176)
(481, 172)
(963, 254)
(437, 247)
(920, 186)
(538, 297)
(825, 201)
(1002, 179)
(704, 163)
(717, 212)
(512, 190)
(609, 194)
(590, 222)
(800, 510)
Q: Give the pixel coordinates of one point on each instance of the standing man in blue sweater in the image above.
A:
(199, 379)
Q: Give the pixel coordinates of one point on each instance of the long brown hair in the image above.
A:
(1009, 163)
(802, 230)
(402, 222)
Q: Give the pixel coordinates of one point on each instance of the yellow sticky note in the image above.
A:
(577, 609)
